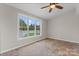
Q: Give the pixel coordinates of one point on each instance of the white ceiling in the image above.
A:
(34, 9)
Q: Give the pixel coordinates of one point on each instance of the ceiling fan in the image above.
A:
(52, 6)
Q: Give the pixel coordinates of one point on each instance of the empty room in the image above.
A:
(39, 29)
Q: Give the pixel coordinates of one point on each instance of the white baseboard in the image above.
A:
(11, 49)
(63, 39)
(19, 46)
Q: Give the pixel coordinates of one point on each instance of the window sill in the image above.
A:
(29, 37)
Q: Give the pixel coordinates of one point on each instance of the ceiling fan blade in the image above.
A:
(50, 10)
(58, 6)
(45, 7)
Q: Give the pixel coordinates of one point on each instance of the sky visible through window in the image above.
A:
(31, 21)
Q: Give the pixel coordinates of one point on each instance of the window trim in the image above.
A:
(28, 37)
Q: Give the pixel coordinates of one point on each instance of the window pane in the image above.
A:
(38, 27)
(23, 26)
(31, 27)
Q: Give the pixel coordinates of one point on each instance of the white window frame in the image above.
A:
(28, 27)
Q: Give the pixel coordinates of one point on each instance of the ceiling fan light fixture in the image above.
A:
(52, 6)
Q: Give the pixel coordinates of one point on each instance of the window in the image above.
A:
(37, 27)
(31, 27)
(28, 26)
(23, 26)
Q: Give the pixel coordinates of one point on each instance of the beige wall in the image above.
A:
(8, 24)
(65, 27)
